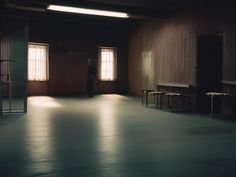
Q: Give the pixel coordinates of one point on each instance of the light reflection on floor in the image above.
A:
(43, 101)
(107, 118)
(114, 97)
(113, 135)
(39, 138)
(108, 132)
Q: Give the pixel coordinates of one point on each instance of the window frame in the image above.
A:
(47, 61)
(115, 51)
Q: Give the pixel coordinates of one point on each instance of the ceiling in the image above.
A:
(145, 8)
(149, 4)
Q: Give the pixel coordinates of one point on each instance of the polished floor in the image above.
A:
(113, 136)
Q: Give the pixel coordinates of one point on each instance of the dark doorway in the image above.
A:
(209, 70)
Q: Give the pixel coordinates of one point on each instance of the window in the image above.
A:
(37, 62)
(107, 63)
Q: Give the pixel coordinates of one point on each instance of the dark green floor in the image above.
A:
(113, 136)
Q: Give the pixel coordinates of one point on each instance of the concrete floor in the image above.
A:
(113, 136)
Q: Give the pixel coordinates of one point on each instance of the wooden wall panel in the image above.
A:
(134, 63)
(37, 88)
(172, 43)
(70, 45)
(175, 52)
(229, 65)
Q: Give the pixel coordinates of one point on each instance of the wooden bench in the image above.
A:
(212, 94)
(171, 91)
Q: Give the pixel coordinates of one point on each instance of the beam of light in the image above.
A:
(87, 11)
(44, 101)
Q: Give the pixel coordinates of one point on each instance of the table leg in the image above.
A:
(142, 98)
(212, 105)
(172, 97)
(146, 99)
(157, 100)
(160, 101)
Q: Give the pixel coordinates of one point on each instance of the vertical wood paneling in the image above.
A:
(229, 64)
(172, 43)
(5, 56)
(70, 45)
(134, 63)
(4, 48)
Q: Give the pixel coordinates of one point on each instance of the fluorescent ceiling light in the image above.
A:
(87, 11)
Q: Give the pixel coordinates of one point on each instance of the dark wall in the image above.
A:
(172, 43)
(70, 45)
(229, 65)
(13, 43)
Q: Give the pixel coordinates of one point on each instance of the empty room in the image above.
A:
(117, 88)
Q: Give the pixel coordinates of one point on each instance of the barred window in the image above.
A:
(107, 63)
(38, 62)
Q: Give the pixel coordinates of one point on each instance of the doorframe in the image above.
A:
(197, 68)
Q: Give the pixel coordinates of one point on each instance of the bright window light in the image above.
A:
(87, 11)
(107, 59)
(37, 62)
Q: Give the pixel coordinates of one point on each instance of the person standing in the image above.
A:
(91, 77)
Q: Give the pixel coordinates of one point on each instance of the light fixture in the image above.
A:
(87, 11)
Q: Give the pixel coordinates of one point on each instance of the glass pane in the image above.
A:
(37, 62)
(107, 64)
(18, 64)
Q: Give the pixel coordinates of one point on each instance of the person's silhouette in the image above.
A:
(91, 77)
